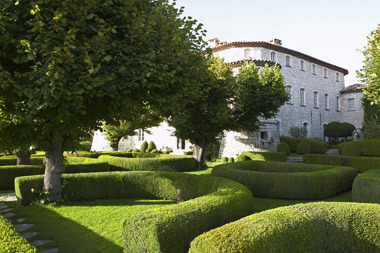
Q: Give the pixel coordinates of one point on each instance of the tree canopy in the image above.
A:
(68, 65)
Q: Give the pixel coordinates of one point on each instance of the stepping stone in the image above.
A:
(29, 235)
(38, 243)
(23, 227)
(50, 250)
(2, 206)
(8, 215)
(5, 210)
(21, 220)
(11, 198)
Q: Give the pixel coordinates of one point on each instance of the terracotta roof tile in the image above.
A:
(353, 88)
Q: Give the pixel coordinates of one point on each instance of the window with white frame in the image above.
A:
(337, 103)
(141, 134)
(247, 52)
(326, 101)
(315, 99)
(351, 104)
(302, 65)
(302, 96)
(313, 68)
(288, 89)
(273, 56)
(337, 77)
(287, 61)
(325, 73)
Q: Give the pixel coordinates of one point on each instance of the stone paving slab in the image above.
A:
(50, 250)
(21, 220)
(3, 206)
(23, 227)
(38, 243)
(8, 215)
(6, 210)
(29, 235)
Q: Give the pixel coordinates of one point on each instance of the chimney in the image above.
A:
(213, 42)
(275, 41)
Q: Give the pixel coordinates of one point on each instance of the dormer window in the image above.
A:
(273, 56)
(302, 67)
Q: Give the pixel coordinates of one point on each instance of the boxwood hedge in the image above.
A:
(12, 160)
(366, 147)
(204, 202)
(366, 187)
(362, 164)
(289, 180)
(97, 154)
(11, 240)
(74, 165)
(162, 163)
(265, 156)
(327, 227)
(316, 146)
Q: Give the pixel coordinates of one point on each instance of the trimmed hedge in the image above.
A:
(366, 147)
(11, 240)
(289, 180)
(362, 164)
(366, 187)
(303, 148)
(265, 156)
(12, 160)
(204, 203)
(316, 146)
(327, 227)
(97, 154)
(163, 163)
(283, 147)
(76, 165)
(351, 149)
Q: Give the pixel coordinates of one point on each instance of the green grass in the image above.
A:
(94, 226)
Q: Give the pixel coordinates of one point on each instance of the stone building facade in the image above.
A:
(352, 107)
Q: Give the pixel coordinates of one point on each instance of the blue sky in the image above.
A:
(330, 30)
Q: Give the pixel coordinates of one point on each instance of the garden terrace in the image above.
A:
(315, 227)
(366, 187)
(289, 180)
(203, 203)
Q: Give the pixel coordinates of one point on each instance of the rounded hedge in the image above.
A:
(351, 149)
(224, 159)
(265, 156)
(327, 227)
(241, 158)
(231, 160)
(144, 146)
(283, 147)
(289, 180)
(204, 203)
(303, 148)
(152, 145)
(366, 187)
(316, 146)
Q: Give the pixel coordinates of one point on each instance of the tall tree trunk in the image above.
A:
(115, 146)
(53, 171)
(23, 158)
(200, 153)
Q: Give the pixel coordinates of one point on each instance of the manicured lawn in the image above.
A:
(94, 226)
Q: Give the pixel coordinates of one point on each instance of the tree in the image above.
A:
(370, 72)
(229, 103)
(67, 65)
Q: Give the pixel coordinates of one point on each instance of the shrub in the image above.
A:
(188, 152)
(289, 180)
(334, 130)
(130, 150)
(303, 148)
(151, 145)
(231, 160)
(283, 147)
(11, 240)
(242, 158)
(347, 129)
(366, 187)
(297, 132)
(12, 160)
(312, 227)
(148, 150)
(224, 159)
(340, 147)
(316, 146)
(154, 151)
(177, 163)
(265, 156)
(136, 150)
(144, 146)
(351, 149)
(204, 203)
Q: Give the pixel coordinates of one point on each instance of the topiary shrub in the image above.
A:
(289, 180)
(148, 150)
(151, 145)
(347, 129)
(204, 203)
(144, 147)
(136, 150)
(265, 156)
(130, 150)
(366, 187)
(303, 148)
(316, 146)
(340, 147)
(351, 149)
(333, 129)
(283, 147)
(314, 227)
(224, 159)
(242, 158)
(154, 151)
(231, 160)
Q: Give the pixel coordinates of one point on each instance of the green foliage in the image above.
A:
(11, 240)
(351, 149)
(333, 129)
(231, 160)
(366, 187)
(154, 151)
(130, 150)
(366, 147)
(12, 160)
(303, 148)
(188, 153)
(314, 227)
(242, 158)
(212, 150)
(204, 203)
(224, 159)
(166, 163)
(361, 164)
(265, 156)
(297, 132)
(283, 147)
(316, 146)
(144, 147)
(371, 129)
(97, 154)
(136, 150)
(347, 129)
(289, 180)
(370, 73)
(151, 145)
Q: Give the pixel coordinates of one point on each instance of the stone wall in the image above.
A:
(356, 115)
